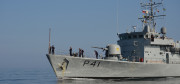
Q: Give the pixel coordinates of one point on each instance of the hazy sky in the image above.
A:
(24, 26)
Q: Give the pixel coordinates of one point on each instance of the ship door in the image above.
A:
(167, 58)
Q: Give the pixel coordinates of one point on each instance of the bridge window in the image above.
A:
(125, 37)
(129, 37)
(134, 36)
(140, 36)
(120, 37)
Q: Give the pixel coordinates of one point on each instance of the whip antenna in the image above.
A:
(49, 40)
(117, 16)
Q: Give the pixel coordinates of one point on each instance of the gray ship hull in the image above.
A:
(76, 67)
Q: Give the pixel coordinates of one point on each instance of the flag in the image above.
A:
(157, 10)
(145, 11)
(164, 9)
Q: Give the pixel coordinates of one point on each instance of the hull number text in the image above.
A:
(93, 63)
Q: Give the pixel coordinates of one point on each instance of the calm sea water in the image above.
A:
(46, 76)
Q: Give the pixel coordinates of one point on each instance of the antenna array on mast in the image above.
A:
(149, 14)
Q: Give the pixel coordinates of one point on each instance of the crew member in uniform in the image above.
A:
(82, 52)
(53, 48)
(79, 52)
(70, 51)
(96, 53)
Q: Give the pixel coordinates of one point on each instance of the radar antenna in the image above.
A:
(134, 27)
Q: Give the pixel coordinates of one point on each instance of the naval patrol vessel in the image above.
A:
(136, 55)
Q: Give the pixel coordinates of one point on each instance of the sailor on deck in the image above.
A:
(96, 53)
(70, 51)
(80, 52)
(53, 48)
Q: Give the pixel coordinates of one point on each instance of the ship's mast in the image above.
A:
(149, 14)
